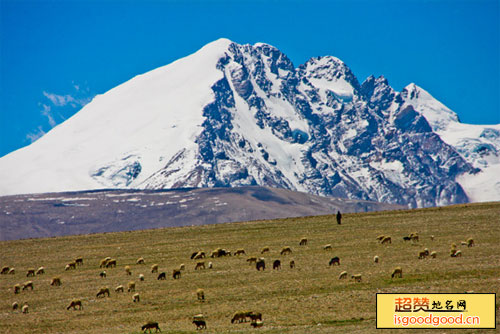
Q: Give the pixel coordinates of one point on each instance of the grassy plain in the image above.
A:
(307, 299)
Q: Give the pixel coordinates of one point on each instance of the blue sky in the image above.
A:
(56, 55)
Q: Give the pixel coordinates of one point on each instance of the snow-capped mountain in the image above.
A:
(232, 115)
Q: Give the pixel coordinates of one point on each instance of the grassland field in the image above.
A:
(307, 299)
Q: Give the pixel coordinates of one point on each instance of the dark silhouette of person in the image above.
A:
(339, 217)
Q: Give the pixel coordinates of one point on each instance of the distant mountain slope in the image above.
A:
(55, 214)
(232, 115)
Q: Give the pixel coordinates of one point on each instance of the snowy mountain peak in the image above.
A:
(231, 115)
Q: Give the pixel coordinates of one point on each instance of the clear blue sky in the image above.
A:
(55, 55)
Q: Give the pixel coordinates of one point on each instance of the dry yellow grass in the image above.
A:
(307, 299)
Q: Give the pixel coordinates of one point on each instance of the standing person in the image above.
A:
(339, 217)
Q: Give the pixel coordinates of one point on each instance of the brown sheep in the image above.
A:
(131, 286)
(56, 281)
(72, 265)
(103, 263)
(140, 261)
(292, 264)
(200, 294)
(239, 317)
(111, 263)
(128, 271)
(154, 268)
(380, 237)
(194, 254)
(79, 261)
(74, 303)
(386, 240)
(199, 255)
(176, 274)
(17, 288)
(327, 247)
(31, 272)
(162, 276)
(24, 309)
(252, 259)
(200, 324)
(356, 277)
(397, 272)
(28, 284)
(239, 251)
(286, 250)
(433, 254)
(15, 306)
(422, 255)
(119, 288)
(151, 325)
(470, 242)
(303, 242)
(136, 298)
(343, 275)
(334, 260)
(277, 264)
(264, 250)
(200, 265)
(260, 264)
(103, 292)
(40, 271)
(5, 270)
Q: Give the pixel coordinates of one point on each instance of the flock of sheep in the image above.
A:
(255, 318)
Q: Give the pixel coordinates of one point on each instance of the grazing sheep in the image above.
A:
(327, 247)
(200, 265)
(15, 305)
(257, 323)
(182, 266)
(199, 255)
(74, 303)
(111, 263)
(193, 255)
(457, 253)
(128, 271)
(119, 288)
(356, 277)
(162, 276)
(151, 325)
(334, 260)
(131, 286)
(397, 272)
(141, 277)
(17, 288)
(79, 261)
(5, 270)
(103, 263)
(264, 250)
(176, 274)
(200, 324)
(376, 259)
(239, 251)
(239, 317)
(72, 265)
(252, 259)
(12, 271)
(67, 267)
(56, 281)
(136, 298)
(433, 254)
(154, 268)
(277, 264)
(260, 264)
(303, 242)
(470, 242)
(422, 255)
(40, 271)
(210, 265)
(380, 237)
(215, 253)
(292, 264)
(103, 292)
(28, 284)
(31, 272)
(140, 261)
(286, 250)
(343, 275)
(200, 293)
(103, 274)
(386, 240)
(24, 309)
